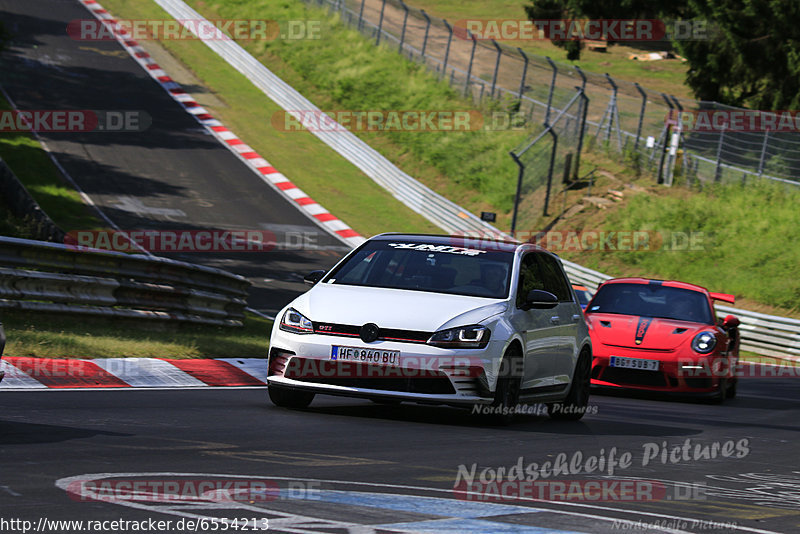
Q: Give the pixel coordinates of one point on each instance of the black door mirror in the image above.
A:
(313, 277)
(540, 300)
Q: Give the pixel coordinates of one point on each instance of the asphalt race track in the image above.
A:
(342, 465)
(336, 461)
(171, 176)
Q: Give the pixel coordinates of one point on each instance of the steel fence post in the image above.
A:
(427, 30)
(552, 89)
(762, 159)
(583, 110)
(520, 174)
(641, 115)
(718, 170)
(405, 22)
(552, 132)
(660, 179)
(524, 74)
(471, 59)
(447, 49)
(361, 15)
(380, 24)
(496, 65)
(579, 125)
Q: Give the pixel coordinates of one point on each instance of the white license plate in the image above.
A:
(356, 354)
(634, 363)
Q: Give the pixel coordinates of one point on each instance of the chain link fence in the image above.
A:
(623, 116)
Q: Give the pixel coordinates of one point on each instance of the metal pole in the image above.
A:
(660, 179)
(579, 125)
(446, 50)
(471, 59)
(641, 116)
(405, 22)
(380, 24)
(718, 170)
(680, 135)
(361, 15)
(524, 73)
(584, 110)
(519, 191)
(763, 153)
(496, 65)
(552, 88)
(552, 132)
(427, 29)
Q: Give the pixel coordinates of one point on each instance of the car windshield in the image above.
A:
(431, 267)
(583, 296)
(652, 300)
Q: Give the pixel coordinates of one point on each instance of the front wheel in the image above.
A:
(506, 395)
(577, 400)
(289, 398)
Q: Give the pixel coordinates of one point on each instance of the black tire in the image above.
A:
(577, 399)
(289, 398)
(722, 391)
(506, 395)
(732, 388)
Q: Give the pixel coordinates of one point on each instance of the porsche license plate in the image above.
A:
(356, 354)
(634, 363)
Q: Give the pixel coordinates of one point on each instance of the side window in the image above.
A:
(530, 277)
(555, 281)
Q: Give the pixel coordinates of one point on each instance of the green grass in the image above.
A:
(66, 336)
(31, 164)
(748, 240)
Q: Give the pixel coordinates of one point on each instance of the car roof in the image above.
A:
(667, 283)
(463, 241)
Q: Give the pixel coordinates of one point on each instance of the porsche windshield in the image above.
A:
(428, 267)
(652, 300)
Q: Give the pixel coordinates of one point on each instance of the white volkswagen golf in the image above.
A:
(436, 320)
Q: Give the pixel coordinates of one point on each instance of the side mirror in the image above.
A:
(730, 321)
(313, 277)
(540, 300)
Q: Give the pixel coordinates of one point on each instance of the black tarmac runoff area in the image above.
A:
(174, 175)
(216, 456)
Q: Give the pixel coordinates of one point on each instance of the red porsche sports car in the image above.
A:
(662, 336)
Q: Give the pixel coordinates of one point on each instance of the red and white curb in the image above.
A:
(267, 172)
(24, 373)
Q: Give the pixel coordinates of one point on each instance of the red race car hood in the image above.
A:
(641, 332)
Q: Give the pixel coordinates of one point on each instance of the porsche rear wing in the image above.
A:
(724, 297)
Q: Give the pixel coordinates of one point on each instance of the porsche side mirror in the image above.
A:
(313, 277)
(540, 300)
(730, 321)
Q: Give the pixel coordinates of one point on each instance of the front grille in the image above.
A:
(384, 334)
(368, 376)
(634, 377)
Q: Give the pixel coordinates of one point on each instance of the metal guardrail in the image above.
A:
(755, 329)
(768, 335)
(50, 277)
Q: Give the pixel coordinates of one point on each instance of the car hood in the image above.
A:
(394, 308)
(642, 332)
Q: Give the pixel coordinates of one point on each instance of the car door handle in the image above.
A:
(554, 319)
(576, 317)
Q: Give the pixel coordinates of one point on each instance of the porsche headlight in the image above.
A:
(704, 342)
(295, 322)
(464, 337)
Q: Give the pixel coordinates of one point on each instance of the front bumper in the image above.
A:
(423, 373)
(678, 372)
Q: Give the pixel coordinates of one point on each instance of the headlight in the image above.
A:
(295, 322)
(704, 342)
(464, 337)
